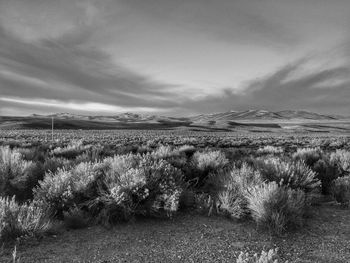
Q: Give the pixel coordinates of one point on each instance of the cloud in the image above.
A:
(63, 69)
(241, 21)
(88, 107)
(323, 90)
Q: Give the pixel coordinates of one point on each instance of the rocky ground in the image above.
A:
(194, 238)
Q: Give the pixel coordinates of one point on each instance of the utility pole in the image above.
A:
(52, 128)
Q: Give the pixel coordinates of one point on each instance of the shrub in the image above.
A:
(227, 189)
(209, 160)
(202, 164)
(276, 207)
(270, 256)
(71, 150)
(52, 164)
(92, 154)
(309, 155)
(187, 149)
(15, 174)
(295, 174)
(58, 190)
(163, 152)
(326, 172)
(269, 149)
(342, 159)
(120, 164)
(137, 187)
(341, 190)
(19, 220)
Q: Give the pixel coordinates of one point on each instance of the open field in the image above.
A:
(173, 195)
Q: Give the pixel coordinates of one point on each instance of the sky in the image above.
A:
(174, 57)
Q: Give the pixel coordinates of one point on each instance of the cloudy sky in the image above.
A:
(174, 57)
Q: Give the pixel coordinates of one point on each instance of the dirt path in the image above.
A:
(196, 238)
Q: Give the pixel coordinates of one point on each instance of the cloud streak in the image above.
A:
(322, 90)
(54, 69)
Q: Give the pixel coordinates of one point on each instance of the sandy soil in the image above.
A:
(195, 238)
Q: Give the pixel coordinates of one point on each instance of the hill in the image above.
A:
(248, 120)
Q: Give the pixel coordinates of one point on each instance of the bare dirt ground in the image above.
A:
(195, 238)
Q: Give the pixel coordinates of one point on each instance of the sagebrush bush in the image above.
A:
(16, 174)
(163, 152)
(269, 149)
(189, 150)
(137, 185)
(276, 207)
(52, 164)
(227, 189)
(342, 159)
(326, 172)
(120, 164)
(202, 164)
(270, 256)
(72, 150)
(294, 174)
(58, 190)
(18, 220)
(341, 190)
(209, 160)
(309, 155)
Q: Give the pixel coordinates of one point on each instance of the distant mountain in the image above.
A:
(251, 120)
(262, 115)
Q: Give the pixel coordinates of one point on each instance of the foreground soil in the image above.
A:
(195, 238)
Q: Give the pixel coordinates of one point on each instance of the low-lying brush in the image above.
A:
(341, 190)
(342, 159)
(60, 190)
(309, 155)
(294, 174)
(203, 163)
(116, 178)
(228, 189)
(16, 174)
(270, 256)
(150, 187)
(276, 207)
(18, 220)
(269, 149)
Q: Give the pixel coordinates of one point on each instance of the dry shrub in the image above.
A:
(294, 174)
(342, 159)
(18, 220)
(309, 155)
(276, 207)
(341, 190)
(270, 256)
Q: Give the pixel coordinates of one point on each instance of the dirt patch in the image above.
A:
(195, 238)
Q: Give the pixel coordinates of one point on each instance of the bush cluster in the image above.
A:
(18, 220)
(82, 184)
(270, 256)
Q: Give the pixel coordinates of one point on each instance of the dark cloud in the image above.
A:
(323, 90)
(241, 21)
(67, 70)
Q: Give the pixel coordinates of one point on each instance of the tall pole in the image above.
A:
(52, 128)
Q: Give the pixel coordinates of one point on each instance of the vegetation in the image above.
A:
(104, 178)
(270, 256)
(18, 220)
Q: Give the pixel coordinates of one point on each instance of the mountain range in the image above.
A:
(221, 116)
(231, 120)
